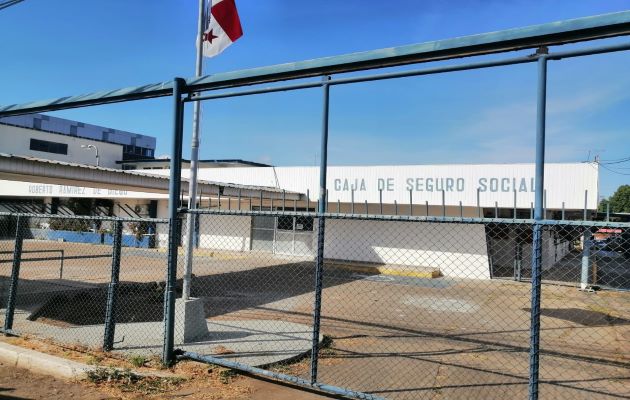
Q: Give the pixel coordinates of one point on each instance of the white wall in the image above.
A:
(16, 140)
(458, 250)
(224, 232)
(564, 182)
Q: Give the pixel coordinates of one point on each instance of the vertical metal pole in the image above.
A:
(514, 214)
(461, 210)
(534, 345)
(496, 209)
(112, 290)
(219, 197)
(608, 212)
(395, 207)
(518, 259)
(586, 259)
(544, 214)
(284, 198)
(239, 199)
(479, 202)
(308, 200)
(338, 206)
(380, 200)
(61, 265)
(319, 260)
(366, 208)
(585, 204)
(531, 210)
(426, 205)
(168, 355)
(261, 201)
(443, 203)
(352, 201)
(563, 211)
(410, 202)
(15, 274)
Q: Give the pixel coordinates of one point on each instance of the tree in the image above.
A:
(619, 202)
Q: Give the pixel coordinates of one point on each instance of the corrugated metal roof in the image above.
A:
(14, 166)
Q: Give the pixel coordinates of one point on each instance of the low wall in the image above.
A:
(88, 237)
(458, 250)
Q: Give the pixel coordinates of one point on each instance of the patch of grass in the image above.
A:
(138, 360)
(226, 375)
(127, 381)
(94, 360)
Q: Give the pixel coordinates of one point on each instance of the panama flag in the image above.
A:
(223, 27)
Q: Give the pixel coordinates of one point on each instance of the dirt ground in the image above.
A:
(18, 383)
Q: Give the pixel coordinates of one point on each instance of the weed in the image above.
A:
(94, 360)
(227, 375)
(127, 381)
(138, 360)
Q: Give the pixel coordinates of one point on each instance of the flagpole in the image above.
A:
(194, 161)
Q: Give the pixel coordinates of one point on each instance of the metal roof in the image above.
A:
(554, 33)
(32, 169)
(220, 163)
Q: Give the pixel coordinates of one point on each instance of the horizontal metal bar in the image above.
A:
(419, 72)
(567, 31)
(559, 55)
(279, 376)
(256, 91)
(84, 217)
(465, 220)
(391, 75)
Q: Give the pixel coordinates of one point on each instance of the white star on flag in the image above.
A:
(223, 27)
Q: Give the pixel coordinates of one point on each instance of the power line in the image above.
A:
(613, 171)
(9, 3)
(615, 161)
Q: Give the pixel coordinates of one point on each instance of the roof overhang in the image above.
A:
(29, 169)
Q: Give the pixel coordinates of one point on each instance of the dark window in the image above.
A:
(49, 147)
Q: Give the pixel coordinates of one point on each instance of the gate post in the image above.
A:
(319, 260)
(534, 346)
(112, 290)
(168, 356)
(15, 274)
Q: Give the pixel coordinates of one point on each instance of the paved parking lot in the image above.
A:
(398, 337)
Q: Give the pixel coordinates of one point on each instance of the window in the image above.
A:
(49, 147)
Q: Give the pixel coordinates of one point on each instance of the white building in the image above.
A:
(457, 249)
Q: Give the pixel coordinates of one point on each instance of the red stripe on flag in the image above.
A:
(226, 15)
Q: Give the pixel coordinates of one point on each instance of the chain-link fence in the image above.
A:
(411, 307)
(416, 307)
(93, 282)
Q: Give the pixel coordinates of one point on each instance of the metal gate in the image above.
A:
(288, 235)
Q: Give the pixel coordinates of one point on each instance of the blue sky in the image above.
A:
(56, 48)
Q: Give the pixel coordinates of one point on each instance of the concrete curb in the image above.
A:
(42, 363)
(57, 367)
(424, 272)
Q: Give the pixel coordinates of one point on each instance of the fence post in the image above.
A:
(586, 258)
(112, 290)
(15, 274)
(319, 260)
(534, 343)
(168, 355)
